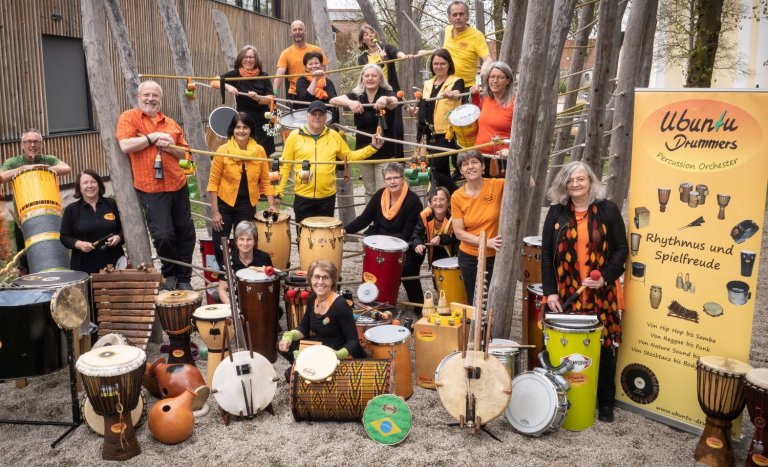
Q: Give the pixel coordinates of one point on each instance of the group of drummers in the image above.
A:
(583, 232)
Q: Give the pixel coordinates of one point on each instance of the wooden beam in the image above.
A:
(228, 47)
(512, 43)
(124, 49)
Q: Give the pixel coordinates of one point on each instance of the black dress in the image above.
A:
(82, 222)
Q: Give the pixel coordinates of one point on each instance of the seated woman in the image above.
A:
(328, 319)
(246, 255)
(91, 226)
(433, 235)
(316, 86)
(394, 211)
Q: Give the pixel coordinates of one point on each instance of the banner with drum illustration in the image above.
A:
(696, 207)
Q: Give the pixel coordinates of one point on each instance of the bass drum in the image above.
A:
(538, 404)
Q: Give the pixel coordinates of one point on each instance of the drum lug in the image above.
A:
(379, 259)
(563, 341)
(309, 240)
(261, 296)
(587, 341)
(268, 234)
(333, 243)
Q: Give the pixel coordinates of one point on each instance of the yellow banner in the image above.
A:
(696, 207)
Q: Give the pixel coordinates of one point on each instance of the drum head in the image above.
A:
(121, 263)
(387, 334)
(725, 364)
(321, 222)
(503, 347)
(758, 377)
(385, 243)
(220, 119)
(446, 263)
(464, 115)
(533, 241)
(534, 404)
(298, 118)
(69, 307)
(228, 382)
(571, 325)
(387, 419)
(316, 363)
(367, 292)
(50, 279)
(110, 339)
(281, 217)
(212, 312)
(177, 297)
(249, 275)
(110, 361)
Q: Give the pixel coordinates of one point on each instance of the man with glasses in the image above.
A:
(31, 147)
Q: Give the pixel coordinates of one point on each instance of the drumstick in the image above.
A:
(594, 275)
(514, 346)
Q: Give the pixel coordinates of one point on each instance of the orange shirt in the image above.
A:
(582, 249)
(132, 123)
(494, 120)
(292, 59)
(479, 213)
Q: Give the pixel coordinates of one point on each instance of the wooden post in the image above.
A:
(105, 102)
(512, 222)
(480, 16)
(190, 109)
(512, 42)
(124, 49)
(409, 70)
(369, 14)
(637, 47)
(228, 47)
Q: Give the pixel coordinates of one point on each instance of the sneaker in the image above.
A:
(169, 283)
(182, 284)
(605, 413)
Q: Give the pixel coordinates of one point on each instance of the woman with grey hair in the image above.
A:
(585, 232)
(245, 255)
(394, 211)
(496, 109)
(373, 89)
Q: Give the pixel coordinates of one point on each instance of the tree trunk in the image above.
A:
(190, 109)
(104, 98)
(480, 16)
(512, 43)
(512, 220)
(545, 126)
(369, 14)
(228, 47)
(707, 36)
(499, 10)
(124, 50)
(637, 48)
(409, 73)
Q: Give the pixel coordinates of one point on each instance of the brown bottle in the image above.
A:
(173, 379)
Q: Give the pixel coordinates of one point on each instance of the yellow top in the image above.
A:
(466, 49)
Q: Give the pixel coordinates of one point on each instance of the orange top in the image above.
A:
(132, 123)
(479, 213)
(494, 120)
(582, 249)
(292, 59)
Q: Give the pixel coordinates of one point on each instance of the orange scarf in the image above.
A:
(389, 212)
(245, 73)
(320, 88)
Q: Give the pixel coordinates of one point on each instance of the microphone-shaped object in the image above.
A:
(594, 275)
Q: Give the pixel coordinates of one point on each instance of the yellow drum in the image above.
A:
(36, 191)
(211, 323)
(448, 279)
(275, 237)
(578, 341)
(464, 122)
(321, 238)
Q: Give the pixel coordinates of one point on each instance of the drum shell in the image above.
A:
(274, 238)
(211, 331)
(512, 358)
(448, 278)
(31, 343)
(525, 412)
(400, 353)
(36, 190)
(531, 260)
(321, 238)
(128, 385)
(721, 393)
(260, 304)
(174, 310)
(756, 395)
(384, 268)
(533, 323)
(345, 396)
(96, 422)
(582, 346)
(45, 252)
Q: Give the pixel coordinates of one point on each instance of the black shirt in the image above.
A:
(260, 258)
(335, 329)
(302, 84)
(262, 87)
(369, 120)
(82, 222)
(401, 226)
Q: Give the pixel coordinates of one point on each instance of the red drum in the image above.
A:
(534, 329)
(383, 265)
(259, 297)
(208, 253)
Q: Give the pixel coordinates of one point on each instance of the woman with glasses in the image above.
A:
(497, 106)
(248, 65)
(583, 232)
(394, 211)
(245, 255)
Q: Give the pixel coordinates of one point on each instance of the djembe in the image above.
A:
(175, 309)
(664, 198)
(756, 393)
(722, 202)
(720, 386)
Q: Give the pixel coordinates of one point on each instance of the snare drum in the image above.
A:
(211, 323)
(511, 356)
(274, 238)
(174, 309)
(756, 394)
(448, 279)
(96, 422)
(464, 122)
(345, 396)
(316, 363)
(391, 341)
(112, 379)
(539, 403)
(387, 419)
(532, 260)
(533, 319)
(259, 297)
(578, 342)
(720, 388)
(383, 265)
(296, 291)
(321, 238)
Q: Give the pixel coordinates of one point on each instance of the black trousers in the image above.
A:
(412, 267)
(606, 377)
(441, 166)
(355, 352)
(468, 267)
(230, 217)
(309, 207)
(169, 219)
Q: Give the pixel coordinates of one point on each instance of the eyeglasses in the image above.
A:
(393, 179)
(497, 78)
(579, 180)
(32, 141)
(321, 278)
(249, 58)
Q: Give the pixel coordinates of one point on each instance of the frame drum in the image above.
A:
(321, 238)
(316, 363)
(220, 119)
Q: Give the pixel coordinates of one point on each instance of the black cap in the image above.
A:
(317, 105)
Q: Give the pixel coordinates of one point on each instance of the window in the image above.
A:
(262, 7)
(67, 98)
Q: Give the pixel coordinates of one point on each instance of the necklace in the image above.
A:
(244, 260)
(581, 216)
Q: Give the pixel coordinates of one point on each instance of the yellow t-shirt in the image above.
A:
(479, 213)
(466, 49)
(292, 59)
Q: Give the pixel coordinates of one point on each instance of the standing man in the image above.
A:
(465, 43)
(31, 147)
(145, 135)
(291, 60)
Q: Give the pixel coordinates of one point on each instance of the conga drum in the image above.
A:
(112, 379)
(532, 260)
(756, 394)
(533, 323)
(464, 122)
(174, 309)
(578, 342)
(720, 388)
(448, 279)
(392, 341)
(211, 323)
(274, 237)
(383, 265)
(321, 238)
(259, 296)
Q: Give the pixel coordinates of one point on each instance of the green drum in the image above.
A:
(387, 419)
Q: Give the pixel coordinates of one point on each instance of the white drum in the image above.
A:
(96, 422)
(245, 384)
(316, 363)
(539, 403)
